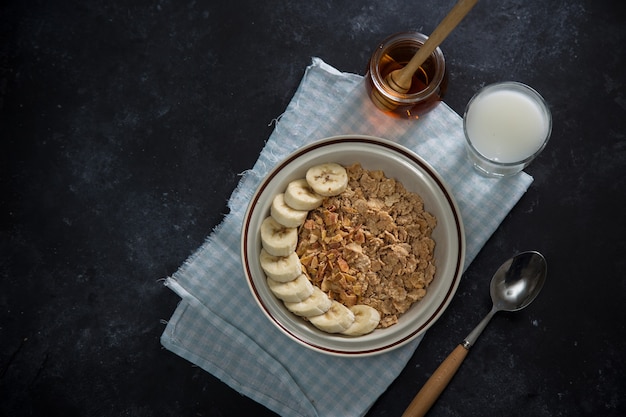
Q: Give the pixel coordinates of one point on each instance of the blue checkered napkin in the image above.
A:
(218, 326)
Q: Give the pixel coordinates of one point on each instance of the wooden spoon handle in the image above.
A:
(452, 19)
(436, 383)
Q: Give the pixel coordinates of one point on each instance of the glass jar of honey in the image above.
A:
(428, 85)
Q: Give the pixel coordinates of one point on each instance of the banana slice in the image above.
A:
(285, 215)
(317, 303)
(293, 291)
(280, 268)
(300, 196)
(337, 319)
(327, 179)
(277, 239)
(366, 319)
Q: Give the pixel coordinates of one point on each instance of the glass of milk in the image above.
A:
(506, 126)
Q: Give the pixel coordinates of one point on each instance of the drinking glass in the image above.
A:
(506, 126)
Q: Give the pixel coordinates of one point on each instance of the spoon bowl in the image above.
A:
(514, 286)
(518, 281)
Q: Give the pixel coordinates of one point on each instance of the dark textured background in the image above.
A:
(124, 126)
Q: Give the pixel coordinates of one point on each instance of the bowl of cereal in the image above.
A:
(353, 245)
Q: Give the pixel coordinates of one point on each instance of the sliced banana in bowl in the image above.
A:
(279, 238)
(286, 215)
(280, 268)
(327, 179)
(314, 305)
(338, 318)
(295, 291)
(301, 196)
(366, 319)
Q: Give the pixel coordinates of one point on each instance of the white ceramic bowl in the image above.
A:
(417, 176)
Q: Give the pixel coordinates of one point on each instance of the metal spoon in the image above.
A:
(514, 285)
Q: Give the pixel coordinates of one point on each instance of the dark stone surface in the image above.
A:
(124, 126)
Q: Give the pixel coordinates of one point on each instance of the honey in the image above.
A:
(429, 82)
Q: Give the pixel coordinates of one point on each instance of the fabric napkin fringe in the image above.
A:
(258, 369)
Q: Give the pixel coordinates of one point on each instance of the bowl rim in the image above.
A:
(414, 158)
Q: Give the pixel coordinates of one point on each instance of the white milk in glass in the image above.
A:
(506, 123)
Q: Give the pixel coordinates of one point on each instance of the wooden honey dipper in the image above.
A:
(400, 79)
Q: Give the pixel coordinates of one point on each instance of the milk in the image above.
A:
(507, 125)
